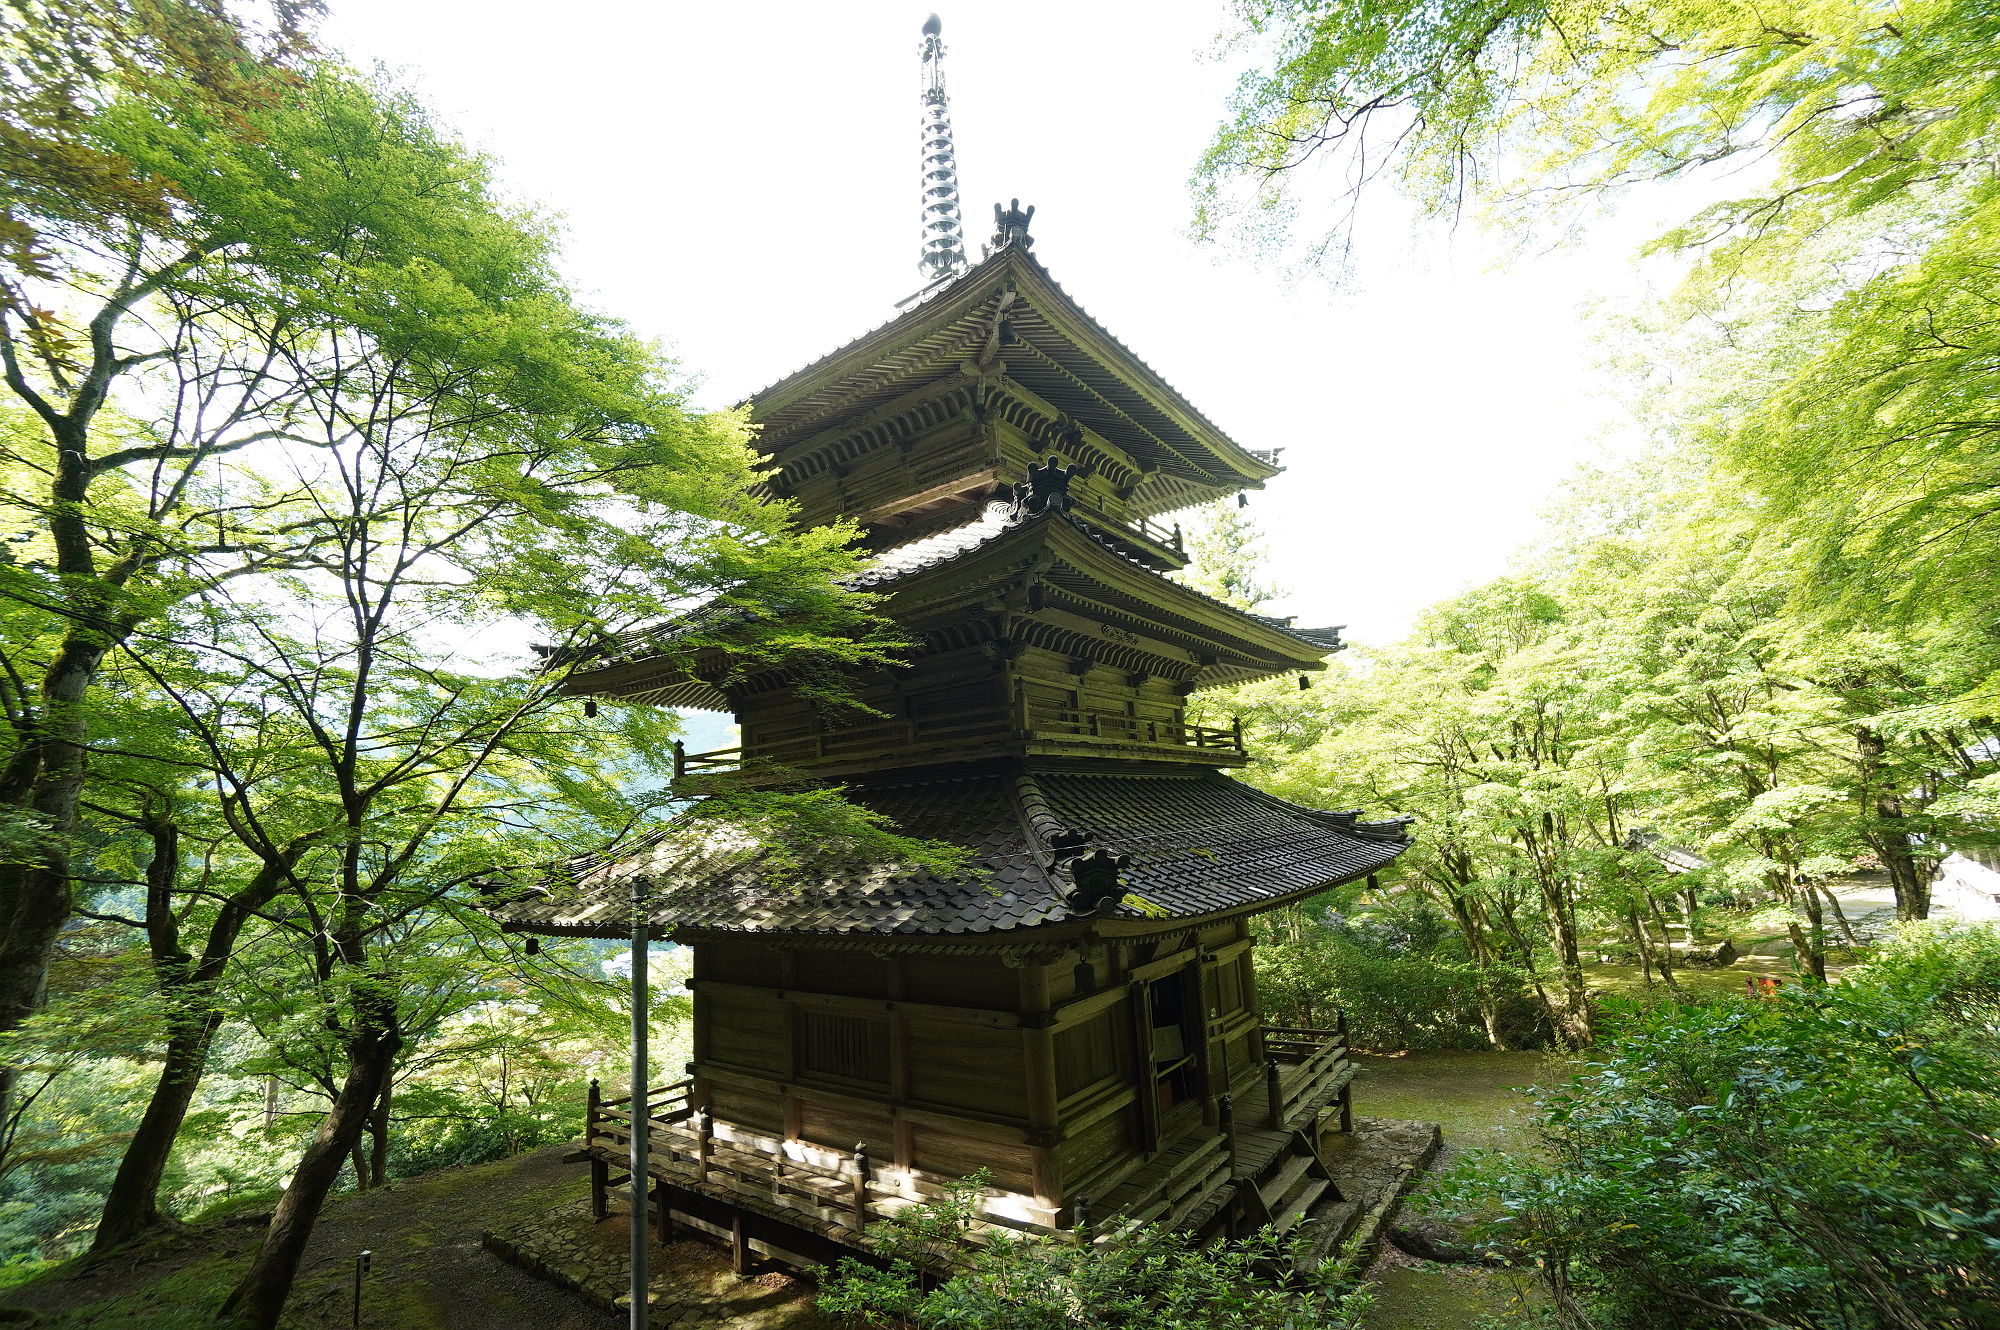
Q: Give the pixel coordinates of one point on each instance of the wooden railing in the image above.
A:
(1160, 535)
(1119, 728)
(612, 1118)
(898, 735)
(845, 1187)
(831, 742)
(1302, 1065)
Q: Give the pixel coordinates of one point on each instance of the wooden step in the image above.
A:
(1298, 1205)
(1273, 1186)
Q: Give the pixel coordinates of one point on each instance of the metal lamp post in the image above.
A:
(642, 1120)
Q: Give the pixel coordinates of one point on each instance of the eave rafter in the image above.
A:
(1020, 406)
(935, 403)
(1144, 436)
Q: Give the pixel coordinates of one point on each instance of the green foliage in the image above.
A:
(1396, 970)
(1137, 1276)
(1838, 318)
(1226, 553)
(1822, 1159)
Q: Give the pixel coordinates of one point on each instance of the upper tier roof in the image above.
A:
(1198, 845)
(994, 547)
(1008, 314)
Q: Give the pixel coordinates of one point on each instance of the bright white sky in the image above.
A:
(741, 181)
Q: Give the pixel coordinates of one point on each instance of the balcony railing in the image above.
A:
(848, 1188)
(1119, 728)
(1304, 1069)
(898, 737)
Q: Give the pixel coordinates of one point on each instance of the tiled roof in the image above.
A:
(1198, 845)
(899, 562)
(975, 278)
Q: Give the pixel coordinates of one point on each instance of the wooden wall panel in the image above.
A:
(847, 973)
(1106, 1143)
(952, 1155)
(965, 1066)
(743, 1034)
(736, 963)
(842, 1127)
(760, 1109)
(964, 981)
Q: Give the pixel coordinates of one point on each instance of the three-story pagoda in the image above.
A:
(1080, 1018)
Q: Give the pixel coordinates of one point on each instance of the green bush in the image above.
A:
(1828, 1159)
(1401, 977)
(1141, 1276)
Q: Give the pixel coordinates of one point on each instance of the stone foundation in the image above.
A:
(1375, 1166)
(692, 1283)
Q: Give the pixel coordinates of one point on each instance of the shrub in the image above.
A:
(1401, 977)
(1826, 1159)
(1144, 1276)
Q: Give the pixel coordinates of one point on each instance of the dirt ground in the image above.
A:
(429, 1271)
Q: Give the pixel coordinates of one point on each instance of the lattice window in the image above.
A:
(854, 1048)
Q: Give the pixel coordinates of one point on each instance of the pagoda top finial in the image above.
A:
(944, 230)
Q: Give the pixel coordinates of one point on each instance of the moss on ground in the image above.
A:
(429, 1271)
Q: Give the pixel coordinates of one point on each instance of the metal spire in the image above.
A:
(944, 229)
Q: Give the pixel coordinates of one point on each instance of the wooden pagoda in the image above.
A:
(1080, 1020)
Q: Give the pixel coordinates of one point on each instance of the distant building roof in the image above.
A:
(1197, 845)
(1673, 858)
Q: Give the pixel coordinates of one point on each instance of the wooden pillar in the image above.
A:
(666, 1210)
(1275, 1088)
(600, 1182)
(861, 1178)
(1347, 1090)
(1038, 1056)
(1197, 1017)
(1225, 1122)
(1149, 1089)
(740, 1259)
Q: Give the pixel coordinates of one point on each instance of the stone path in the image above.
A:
(692, 1282)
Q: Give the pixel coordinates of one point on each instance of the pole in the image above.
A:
(641, 1121)
(360, 1268)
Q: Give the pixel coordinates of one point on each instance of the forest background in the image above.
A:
(297, 403)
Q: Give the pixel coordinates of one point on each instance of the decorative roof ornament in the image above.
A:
(944, 228)
(1010, 226)
(1046, 489)
(1096, 883)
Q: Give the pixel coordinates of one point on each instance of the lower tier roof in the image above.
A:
(1198, 845)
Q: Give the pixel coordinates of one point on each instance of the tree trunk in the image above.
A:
(259, 1299)
(378, 1131)
(1846, 929)
(1810, 948)
(1562, 929)
(1550, 1007)
(1643, 943)
(1465, 912)
(46, 777)
(1665, 956)
(133, 1204)
(1907, 880)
